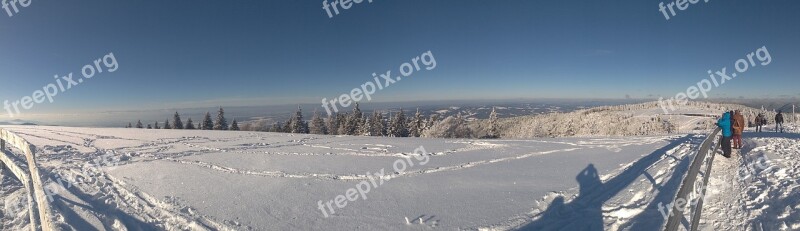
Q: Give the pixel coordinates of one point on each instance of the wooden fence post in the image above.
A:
(2, 149)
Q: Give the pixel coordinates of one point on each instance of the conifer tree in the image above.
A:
(317, 125)
(417, 125)
(176, 121)
(167, 125)
(190, 124)
(276, 127)
(234, 125)
(366, 127)
(355, 121)
(129, 125)
(389, 125)
(342, 121)
(493, 126)
(157, 126)
(221, 123)
(149, 126)
(139, 124)
(378, 124)
(287, 127)
(351, 125)
(398, 125)
(432, 121)
(298, 125)
(332, 124)
(208, 124)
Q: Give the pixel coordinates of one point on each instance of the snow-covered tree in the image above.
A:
(287, 127)
(129, 125)
(378, 127)
(417, 125)
(317, 125)
(157, 126)
(494, 129)
(208, 124)
(356, 119)
(176, 121)
(350, 125)
(190, 124)
(450, 127)
(389, 125)
(139, 124)
(298, 125)
(432, 121)
(341, 119)
(149, 126)
(167, 125)
(366, 127)
(221, 123)
(398, 125)
(332, 124)
(234, 125)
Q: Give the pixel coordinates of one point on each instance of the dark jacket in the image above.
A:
(779, 118)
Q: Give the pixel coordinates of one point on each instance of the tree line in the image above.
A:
(207, 124)
(390, 124)
(354, 123)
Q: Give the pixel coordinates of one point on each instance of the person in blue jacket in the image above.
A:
(725, 124)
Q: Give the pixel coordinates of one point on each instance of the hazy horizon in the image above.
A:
(118, 118)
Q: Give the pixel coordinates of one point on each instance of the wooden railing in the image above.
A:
(38, 204)
(689, 185)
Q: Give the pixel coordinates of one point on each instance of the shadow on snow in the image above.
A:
(585, 211)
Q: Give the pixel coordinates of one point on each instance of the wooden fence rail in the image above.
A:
(689, 185)
(31, 178)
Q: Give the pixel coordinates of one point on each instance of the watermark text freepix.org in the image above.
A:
(344, 4)
(679, 4)
(62, 84)
(374, 181)
(716, 79)
(385, 80)
(14, 5)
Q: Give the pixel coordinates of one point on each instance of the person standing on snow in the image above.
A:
(760, 121)
(779, 122)
(725, 124)
(738, 128)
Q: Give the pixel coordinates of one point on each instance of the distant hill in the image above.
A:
(623, 120)
(17, 122)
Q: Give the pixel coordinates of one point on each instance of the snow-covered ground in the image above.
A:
(109, 179)
(759, 188)
(169, 179)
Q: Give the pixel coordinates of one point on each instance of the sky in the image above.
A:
(181, 53)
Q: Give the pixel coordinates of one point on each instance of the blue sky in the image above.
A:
(185, 53)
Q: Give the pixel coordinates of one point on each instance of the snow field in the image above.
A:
(211, 180)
